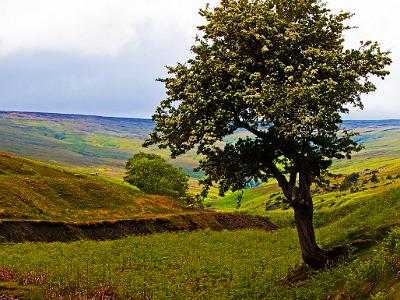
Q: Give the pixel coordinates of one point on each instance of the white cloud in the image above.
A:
(91, 27)
(376, 21)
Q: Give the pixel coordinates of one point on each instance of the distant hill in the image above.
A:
(96, 144)
(103, 144)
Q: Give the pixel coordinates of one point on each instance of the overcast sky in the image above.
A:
(102, 56)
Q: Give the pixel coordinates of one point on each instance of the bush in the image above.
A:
(153, 175)
(349, 181)
(374, 179)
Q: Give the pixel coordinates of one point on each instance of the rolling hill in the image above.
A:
(42, 202)
(103, 144)
(92, 143)
(32, 190)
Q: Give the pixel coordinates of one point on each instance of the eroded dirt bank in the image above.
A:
(50, 231)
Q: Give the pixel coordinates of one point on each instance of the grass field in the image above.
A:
(247, 264)
(244, 264)
(38, 191)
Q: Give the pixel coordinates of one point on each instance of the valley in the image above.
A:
(72, 229)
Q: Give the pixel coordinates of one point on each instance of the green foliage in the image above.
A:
(152, 174)
(277, 69)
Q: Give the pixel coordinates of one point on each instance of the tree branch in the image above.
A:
(293, 177)
(282, 181)
(244, 125)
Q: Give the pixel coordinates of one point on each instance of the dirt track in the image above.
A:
(49, 231)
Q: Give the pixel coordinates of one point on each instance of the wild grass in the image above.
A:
(245, 264)
(32, 190)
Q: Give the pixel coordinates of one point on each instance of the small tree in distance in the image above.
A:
(349, 181)
(374, 178)
(278, 69)
(152, 174)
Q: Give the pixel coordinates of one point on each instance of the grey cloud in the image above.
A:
(58, 80)
(64, 82)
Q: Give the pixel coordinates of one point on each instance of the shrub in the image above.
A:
(374, 179)
(349, 181)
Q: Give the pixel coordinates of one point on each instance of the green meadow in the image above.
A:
(245, 264)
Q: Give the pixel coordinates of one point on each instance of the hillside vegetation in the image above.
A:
(90, 143)
(267, 199)
(104, 144)
(357, 217)
(245, 264)
(359, 223)
(33, 190)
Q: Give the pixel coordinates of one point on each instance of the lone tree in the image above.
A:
(278, 69)
(152, 174)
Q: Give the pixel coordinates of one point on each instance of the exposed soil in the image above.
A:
(49, 231)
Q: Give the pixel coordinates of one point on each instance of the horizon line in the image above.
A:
(141, 118)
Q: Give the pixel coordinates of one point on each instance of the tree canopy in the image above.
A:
(279, 70)
(152, 174)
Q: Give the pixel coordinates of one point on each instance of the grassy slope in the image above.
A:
(104, 144)
(91, 143)
(33, 190)
(246, 264)
(262, 198)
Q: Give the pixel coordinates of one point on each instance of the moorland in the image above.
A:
(65, 172)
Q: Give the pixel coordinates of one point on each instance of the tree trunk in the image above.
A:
(303, 214)
(311, 253)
